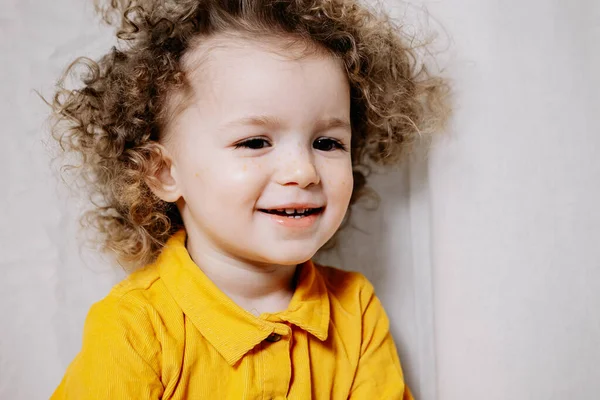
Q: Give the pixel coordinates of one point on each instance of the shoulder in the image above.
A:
(347, 287)
(139, 280)
(121, 347)
(130, 306)
(139, 290)
(127, 323)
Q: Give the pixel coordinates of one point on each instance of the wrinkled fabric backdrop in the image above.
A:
(485, 253)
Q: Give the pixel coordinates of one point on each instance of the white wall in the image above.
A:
(515, 191)
(498, 227)
(46, 286)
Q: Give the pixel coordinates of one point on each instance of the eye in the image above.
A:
(328, 144)
(254, 144)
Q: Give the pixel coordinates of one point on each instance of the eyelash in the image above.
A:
(337, 145)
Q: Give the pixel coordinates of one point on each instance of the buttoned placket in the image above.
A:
(275, 357)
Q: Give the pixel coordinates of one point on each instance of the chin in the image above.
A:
(290, 257)
(288, 260)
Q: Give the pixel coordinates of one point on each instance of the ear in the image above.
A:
(162, 177)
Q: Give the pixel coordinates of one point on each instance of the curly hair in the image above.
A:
(115, 119)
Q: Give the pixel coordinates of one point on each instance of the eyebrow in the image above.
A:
(274, 122)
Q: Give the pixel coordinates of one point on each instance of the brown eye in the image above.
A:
(254, 144)
(328, 144)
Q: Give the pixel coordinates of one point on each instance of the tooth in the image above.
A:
(289, 210)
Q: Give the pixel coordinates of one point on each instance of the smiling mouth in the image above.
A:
(293, 212)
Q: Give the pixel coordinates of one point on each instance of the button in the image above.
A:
(273, 337)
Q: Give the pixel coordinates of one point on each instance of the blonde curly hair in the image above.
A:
(115, 120)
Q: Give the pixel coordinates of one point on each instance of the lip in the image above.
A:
(295, 223)
(293, 205)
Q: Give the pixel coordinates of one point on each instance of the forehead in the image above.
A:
(226, 47)
(267, 77)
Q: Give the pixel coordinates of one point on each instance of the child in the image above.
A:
(222, 147)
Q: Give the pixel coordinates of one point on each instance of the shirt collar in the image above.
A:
(230, 329)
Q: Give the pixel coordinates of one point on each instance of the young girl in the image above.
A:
(222, 146)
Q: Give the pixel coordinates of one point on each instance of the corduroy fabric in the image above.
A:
(167, 332)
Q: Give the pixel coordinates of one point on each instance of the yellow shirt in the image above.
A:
(167, 332)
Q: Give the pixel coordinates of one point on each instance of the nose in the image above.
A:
(298, 169)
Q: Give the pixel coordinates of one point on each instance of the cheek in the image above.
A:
(243, 173)
(233, 181)
(338, 179)
(344, 188)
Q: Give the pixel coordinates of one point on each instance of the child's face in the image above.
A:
(263, 132)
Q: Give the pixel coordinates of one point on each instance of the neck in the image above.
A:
(256, 287)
